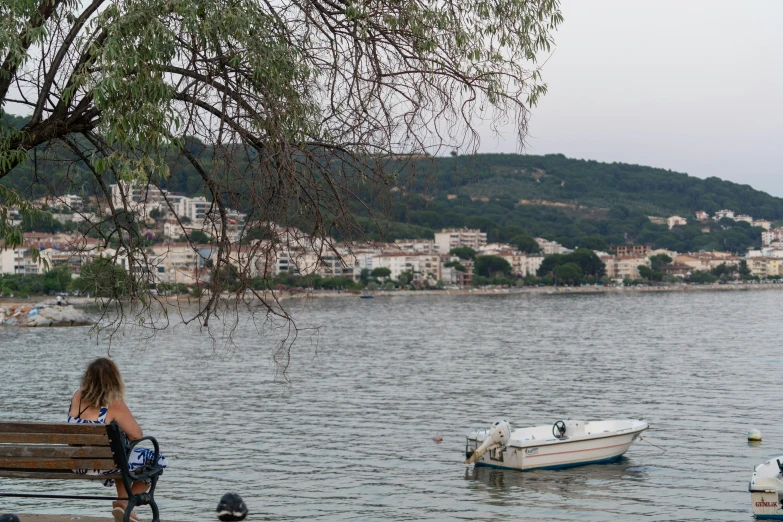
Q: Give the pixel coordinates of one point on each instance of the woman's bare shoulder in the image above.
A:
(119, 407)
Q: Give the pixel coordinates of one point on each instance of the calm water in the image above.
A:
(350, 438)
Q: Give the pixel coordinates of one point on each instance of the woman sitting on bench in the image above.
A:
(100, 400)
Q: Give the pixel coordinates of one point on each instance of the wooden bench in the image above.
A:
(37, 450)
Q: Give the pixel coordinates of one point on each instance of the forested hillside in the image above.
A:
(572, 201)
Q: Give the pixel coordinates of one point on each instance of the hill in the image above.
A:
(573, 201)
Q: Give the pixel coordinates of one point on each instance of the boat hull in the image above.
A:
(560, 454)
(766, 506)
(766, 490)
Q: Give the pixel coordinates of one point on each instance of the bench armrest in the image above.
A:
(149, 465)
(154, 445)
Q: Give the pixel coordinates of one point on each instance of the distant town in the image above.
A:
(179, 249)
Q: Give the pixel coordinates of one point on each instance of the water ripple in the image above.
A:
(349, 439)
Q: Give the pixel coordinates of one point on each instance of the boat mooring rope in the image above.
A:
(663, 450)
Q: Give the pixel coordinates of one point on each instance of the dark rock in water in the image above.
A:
(231, 508)
(9, 518)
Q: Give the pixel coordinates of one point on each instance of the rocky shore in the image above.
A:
(42, 314)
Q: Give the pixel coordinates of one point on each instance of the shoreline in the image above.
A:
(540, 290)
(6, 302)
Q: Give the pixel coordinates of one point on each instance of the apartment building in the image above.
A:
(418, 246)
(450, 238)
(627, 267)
(632, 250)
(7, 260)
(533, 263)
(517, 260)
(771, 236)
(551, 247)
(424, 265)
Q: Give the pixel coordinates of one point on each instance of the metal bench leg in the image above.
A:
(129, 508)
(153, 504)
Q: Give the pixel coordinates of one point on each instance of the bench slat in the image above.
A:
(49, 474)
(50, 450)
(50, 427)
(54, 438)
(54, 463)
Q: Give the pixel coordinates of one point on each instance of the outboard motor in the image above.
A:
(499, 434)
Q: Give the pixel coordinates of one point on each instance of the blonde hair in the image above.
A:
(102, 383)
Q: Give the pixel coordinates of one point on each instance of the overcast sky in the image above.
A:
(694, 86)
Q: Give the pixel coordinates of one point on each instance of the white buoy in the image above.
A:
(754, 435)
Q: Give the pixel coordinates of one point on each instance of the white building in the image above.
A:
(425, 265)
(196, 213)
(676, 221)
(492, 249)
(459, 237)
(770, 251)
(770, 236)
(723, 214)
(533, 262)
(628, 267)
(418, 246)
(551, 247)
(140, 199)
(7, 257)
(762, 223)
(194, 209)
(744, 217)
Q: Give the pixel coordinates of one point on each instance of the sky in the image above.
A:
(694, 86)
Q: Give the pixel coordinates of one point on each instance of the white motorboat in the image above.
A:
(565, 444)
(766, 489)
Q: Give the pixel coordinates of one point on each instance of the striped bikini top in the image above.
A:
(78, 419)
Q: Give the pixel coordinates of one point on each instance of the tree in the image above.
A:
(568, 273)
(701, 276)
(199, 237)
(587, 261)
(405, 278)
(724, 270)
(549, 263)
(744, 270)
(456, 265)
(657, 261)
(594, 243)
(57, 279)
(525, 243)
(645, 272)
(491, 266)
(463, 252)
(102, 278)
(381, 272)
(302, 104)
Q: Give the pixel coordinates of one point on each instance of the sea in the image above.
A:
(343, 428)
